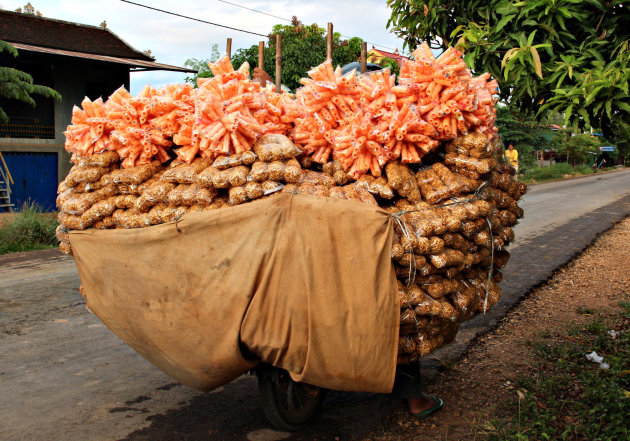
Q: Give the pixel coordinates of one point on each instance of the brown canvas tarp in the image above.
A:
(304, 283)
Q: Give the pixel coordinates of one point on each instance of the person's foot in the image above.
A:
(424, 406)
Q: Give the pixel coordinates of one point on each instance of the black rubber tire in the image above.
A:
(288, 405)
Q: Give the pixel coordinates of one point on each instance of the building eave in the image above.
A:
(142, 65)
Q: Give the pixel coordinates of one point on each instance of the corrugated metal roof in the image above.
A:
(141, 64)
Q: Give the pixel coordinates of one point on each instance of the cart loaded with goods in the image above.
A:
(332, 234)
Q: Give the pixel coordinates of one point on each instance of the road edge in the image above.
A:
(514, 292)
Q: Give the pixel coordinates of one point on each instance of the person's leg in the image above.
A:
(409, 386)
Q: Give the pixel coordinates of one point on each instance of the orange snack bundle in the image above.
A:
(485, 87)
(135, 136)
(329, 101)
(280, 110)
(121, 124)
(366, 141)
(386, 127)
(87, 133)
(224, 113)
(442, 89)
(448, 97)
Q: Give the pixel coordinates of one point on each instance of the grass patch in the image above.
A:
(571, 398)
(555, 171)
(30, 229)
(558, 171)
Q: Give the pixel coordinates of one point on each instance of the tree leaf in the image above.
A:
(537, 64)
(592, 94)
(505, 20)
(565, 12)
(550, 30)
(530, 39)
(584, 114)
(560, 80)
(596, 3)
(505, 7)
(567, 113)
(509, 54)
(469, 58)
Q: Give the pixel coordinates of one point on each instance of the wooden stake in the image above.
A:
(229, 48)
(329, 42)
(261, 55)
(278, 63)
(363, 57)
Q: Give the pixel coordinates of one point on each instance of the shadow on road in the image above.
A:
(234, 412)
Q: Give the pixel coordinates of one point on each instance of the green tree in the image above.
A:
(566, 56)
(303, 47)
(201, 65)
(391, 63)
(577, 149)
(525, 133)
(18, 85)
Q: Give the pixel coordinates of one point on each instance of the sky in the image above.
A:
(172, 40)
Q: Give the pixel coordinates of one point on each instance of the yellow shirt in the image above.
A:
(512, 156)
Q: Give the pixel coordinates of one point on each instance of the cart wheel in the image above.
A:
(288, 405)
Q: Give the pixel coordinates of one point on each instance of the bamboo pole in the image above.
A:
(261, 55)
(278, 63)
(229, 48)
(363, 57)
(329, 42)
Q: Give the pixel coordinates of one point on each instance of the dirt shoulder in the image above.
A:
(26, 256)
(483, 379)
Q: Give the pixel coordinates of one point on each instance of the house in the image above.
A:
(76, 60)
(375, 56)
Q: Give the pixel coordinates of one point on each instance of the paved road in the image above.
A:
(64, 376)
(548, 206)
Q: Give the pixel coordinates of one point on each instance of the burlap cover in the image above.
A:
(305, 283)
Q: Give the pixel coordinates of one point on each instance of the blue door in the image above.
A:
(35, 177)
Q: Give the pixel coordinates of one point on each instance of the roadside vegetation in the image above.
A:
(570, 397)
(557, 171)
(29, 229)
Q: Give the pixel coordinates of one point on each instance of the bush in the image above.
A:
(577, 149)
(30, 229)
(584, 169)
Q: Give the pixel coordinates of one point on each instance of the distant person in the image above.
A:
(511, 154)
